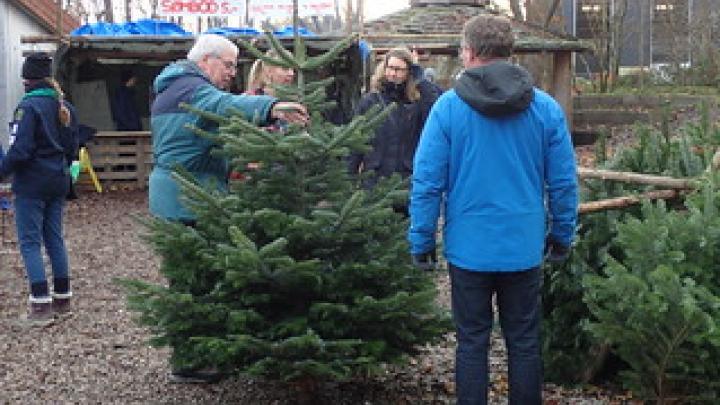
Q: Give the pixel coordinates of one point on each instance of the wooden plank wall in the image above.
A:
(121, 159)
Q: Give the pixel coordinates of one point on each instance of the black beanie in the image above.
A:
(37, 66)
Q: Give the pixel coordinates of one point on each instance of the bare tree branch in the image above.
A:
(551, 13)
(516, 10)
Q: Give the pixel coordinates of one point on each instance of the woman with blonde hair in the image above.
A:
(264, 76)
(394, 143)
(43, 144)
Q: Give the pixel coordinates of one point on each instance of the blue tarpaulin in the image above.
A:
(233, 31)
(140, 27)
(288, 32)
(283, 32)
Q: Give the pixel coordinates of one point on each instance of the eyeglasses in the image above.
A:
(229, 64)
(398, 69)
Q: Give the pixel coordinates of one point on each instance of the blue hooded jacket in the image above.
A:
(174, 144)
(498, 152)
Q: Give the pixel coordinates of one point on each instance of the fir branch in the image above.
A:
(280, 49)
(318, 61)
(260, 55)
(324, 83)
(351, 205)
(193, 190)
(241, 240)
(299, 48)
(204, 114)
(274, 248)
(378, 119)
(201, 132)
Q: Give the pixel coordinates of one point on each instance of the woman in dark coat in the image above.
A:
(43, 143)
(394, 143)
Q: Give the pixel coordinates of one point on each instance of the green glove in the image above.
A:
(75, 170)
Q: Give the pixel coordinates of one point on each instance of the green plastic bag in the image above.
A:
(75, 170)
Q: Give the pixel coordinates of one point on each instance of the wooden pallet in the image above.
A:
(120, 159)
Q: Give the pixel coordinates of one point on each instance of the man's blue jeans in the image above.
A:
(518, 299)
(37, 221)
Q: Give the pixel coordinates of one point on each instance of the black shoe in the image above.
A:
(195, 377)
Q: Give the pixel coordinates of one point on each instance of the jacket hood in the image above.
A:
(174, 71)
(497, 89)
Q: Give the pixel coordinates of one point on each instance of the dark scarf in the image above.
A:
(395, 91)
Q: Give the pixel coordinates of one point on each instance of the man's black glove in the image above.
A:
(554, 251)
(425, 261)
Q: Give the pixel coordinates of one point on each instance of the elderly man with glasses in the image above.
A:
(200, 81)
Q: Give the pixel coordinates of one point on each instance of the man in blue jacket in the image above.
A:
(497, 152)
(200, 82)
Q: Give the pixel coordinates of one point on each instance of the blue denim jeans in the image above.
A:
(39, 221)
(518, 299)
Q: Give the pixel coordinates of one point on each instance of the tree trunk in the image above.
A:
(596, 360)
(637, 178)
(551, 13)
(109, 16)
(128, 7)
(623, 202)
(516, 10)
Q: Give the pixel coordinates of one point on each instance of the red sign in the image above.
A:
(203, 8)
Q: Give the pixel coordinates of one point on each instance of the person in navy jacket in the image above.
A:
(396, 80)
(43, 142)
(496, 152)
(395, 140)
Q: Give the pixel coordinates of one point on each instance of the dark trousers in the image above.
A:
(518, 299)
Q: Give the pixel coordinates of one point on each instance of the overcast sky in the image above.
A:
(141, 8)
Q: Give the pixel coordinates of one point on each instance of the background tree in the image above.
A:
(109, 15)
(604, 24)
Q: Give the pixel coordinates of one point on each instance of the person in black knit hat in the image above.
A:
(37, 66)
(43, 142)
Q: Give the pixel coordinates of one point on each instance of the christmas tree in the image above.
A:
(297, 273)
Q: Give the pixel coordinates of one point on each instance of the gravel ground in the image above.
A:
(99, 355)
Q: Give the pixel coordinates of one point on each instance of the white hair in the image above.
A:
(210, 44)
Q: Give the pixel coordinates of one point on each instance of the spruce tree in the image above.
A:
(297, 273)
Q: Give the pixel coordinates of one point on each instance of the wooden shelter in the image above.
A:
(434, 28)
(89, 70)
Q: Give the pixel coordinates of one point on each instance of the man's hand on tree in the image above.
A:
(293, 113)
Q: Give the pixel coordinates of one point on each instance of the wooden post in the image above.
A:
(140, 168)
(348, 17)
(562, 83)
(59, 19)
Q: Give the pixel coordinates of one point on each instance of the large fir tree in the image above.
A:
(297, 273)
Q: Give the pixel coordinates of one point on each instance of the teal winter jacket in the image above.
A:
(175, 145)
